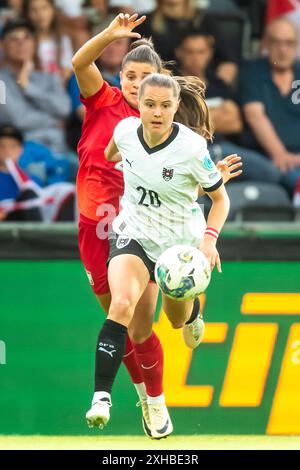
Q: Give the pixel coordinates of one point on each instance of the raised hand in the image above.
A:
(123, 25)
(229, 167)
(24, 75)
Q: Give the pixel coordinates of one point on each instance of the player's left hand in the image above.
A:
(208, 247)
(229, 167)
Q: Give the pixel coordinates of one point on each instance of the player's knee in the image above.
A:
(139, 337)
(121, 309)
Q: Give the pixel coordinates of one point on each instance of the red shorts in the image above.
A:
(94, 254)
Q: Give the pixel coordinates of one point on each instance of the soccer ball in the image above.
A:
(182, 272)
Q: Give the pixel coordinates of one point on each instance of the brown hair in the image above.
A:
(190, 91)
(143, 51)
(158, 79)
(193, 111)
(54, 27)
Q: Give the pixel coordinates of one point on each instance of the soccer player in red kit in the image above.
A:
(100, 186)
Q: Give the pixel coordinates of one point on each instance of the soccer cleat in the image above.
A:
(160, 421)
(98, 416)
(193, 332)
(145, 418)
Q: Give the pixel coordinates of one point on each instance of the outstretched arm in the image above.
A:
(88, 76)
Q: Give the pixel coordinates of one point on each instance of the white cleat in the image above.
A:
(161, 424)
(193, 333)
(98, 416)
(146, 417)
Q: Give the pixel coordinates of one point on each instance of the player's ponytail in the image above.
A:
(193, 111)
(143, 51)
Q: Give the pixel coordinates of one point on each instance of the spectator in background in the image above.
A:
(75, 120)
(36, 102)
(110, 65)
(18, 194)
(72, 8)
(9, 9)
(73, 21)
(173, 19)
(269, 98)
(111, 59)
(194, 54)
(55, 50)
(100, 15)
(21, 198)
(289, 9)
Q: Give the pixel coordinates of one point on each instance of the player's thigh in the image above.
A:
(128, 278)
(94, 253)
(178, 312)
(140, 328)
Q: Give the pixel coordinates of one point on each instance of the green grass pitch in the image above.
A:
(142, 443)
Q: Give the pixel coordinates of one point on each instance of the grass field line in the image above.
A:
(109, 443)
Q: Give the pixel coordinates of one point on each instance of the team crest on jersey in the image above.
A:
(168, 174)
(122, 241)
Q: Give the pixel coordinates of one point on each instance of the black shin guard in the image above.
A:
(195, 311)
(109, 353)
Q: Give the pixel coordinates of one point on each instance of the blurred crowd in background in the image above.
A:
(246, 52)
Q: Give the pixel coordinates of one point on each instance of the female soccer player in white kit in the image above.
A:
(163, 163)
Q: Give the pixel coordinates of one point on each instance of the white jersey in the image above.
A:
(159, 207)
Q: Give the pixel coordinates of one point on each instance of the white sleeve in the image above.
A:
(205, 171)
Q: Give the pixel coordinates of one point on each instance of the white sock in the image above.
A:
(141, 390)
(155, 400)
(99, 395)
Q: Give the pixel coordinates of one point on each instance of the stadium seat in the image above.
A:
(259, 202)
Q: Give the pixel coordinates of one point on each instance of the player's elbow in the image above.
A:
(76, 62)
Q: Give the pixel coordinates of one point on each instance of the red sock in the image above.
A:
(130, 361)
(150, 357)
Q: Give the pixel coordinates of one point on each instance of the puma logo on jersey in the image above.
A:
(130, 163)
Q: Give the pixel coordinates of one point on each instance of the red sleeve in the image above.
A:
(106, 96)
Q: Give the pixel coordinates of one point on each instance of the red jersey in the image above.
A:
(97, 181)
